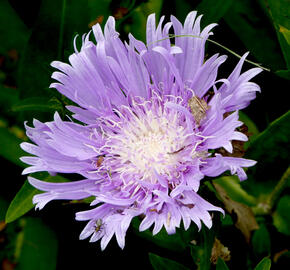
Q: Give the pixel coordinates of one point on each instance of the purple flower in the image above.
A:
(152, 118)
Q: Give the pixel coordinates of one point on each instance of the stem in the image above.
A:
(131, 9)
(61, 30)
(216, 43)
(265, 207)
(274, 196)
(237, 55)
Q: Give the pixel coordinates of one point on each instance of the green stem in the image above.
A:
(237, 55)
(131, 9)
(61, 30)
(266, 207)
(216, 43)
(275, 194)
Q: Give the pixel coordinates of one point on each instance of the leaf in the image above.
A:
(10, 148)
(213, 10)
(232, 186)
(281, 217)
(37, 104)
(8, 97)
(250, 26)
(279, 11)
(41, 50)
(36, 246)
(281, 256)
(99, 11)
(139, 17)
(160, 263)
(221, 265)
(219, 251)
(182, 8)
(12, 30)
(52, 39)
(285, 32)
(246, 221)
(176, 242)
(252, 128)
(22, 202)
(271, 149)
(285, 74)
(261, 241)
(227, 220)
(264, 264)
(201, 252)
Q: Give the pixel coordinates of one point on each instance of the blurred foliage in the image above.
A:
(281, 217)
(22, 202)
(265, 264)
(244, 18)
(160, 263)
(254, 234)
(276, 136)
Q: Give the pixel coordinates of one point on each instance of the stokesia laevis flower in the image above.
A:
(152, 117)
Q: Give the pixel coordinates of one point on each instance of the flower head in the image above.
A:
(152, 117)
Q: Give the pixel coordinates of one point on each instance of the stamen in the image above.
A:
(150, 140)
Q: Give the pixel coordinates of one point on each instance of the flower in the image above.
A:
(152, 117)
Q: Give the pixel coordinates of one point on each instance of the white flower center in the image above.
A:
(148, 141)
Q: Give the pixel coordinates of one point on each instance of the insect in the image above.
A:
(100, 160)
(198, 108)
(98, 225)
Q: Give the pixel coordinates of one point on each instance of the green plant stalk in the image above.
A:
(216, 43)
(265, 207)
(275, 194)
(61, 30)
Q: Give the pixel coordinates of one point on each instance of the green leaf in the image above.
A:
(22, 202)
(99, 9)
(286, 33)
(52, 39)
(213, 10)
(279, 11)
(12, 30)
(261, 241)
(285, 74)
(201, 253)
(8, 97)
(264, 264)
(232, 186)
(281, 217)
(37, 104)
(271, 149)
(182, 8)
(41, 49)
(36, 246)
(10, 148)
(227, 220)
(252, 128)
(221, 265)
(250, 25)
(139, 17)
(160, 263)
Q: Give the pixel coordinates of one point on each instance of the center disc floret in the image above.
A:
(148, 140)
